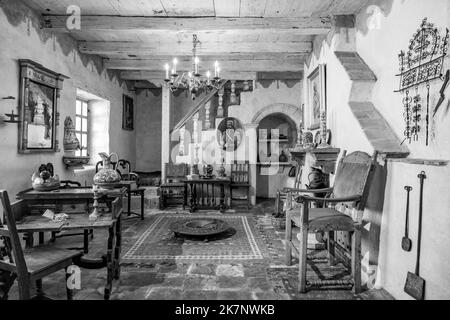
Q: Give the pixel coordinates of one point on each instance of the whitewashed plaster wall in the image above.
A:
(379, 46)
(21, 38)
(148, 131)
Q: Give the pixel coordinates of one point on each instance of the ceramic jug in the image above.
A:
(107, 176)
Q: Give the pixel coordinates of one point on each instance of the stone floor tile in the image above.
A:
(231, 282)
(200, 295)
(164, 294)
(202, 269)
(258, 284)
(234, 295)
(230, 270)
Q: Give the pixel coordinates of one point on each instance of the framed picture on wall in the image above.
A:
(316, 96)
(38, 107)
(128, 113)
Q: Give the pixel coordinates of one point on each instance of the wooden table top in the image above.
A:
(68, 193)
(75, 222)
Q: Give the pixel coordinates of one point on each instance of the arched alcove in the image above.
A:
(289, 110)
(286, 118)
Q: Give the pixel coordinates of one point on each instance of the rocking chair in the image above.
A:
(349, 193)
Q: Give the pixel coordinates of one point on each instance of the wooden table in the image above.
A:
(202, 193)
(79, 221)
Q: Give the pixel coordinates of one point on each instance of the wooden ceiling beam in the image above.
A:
(228, 64)
(302, 25)
(181, 48)
(158, 76)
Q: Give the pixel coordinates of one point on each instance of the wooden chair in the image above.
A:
(349, 194)
(173, 186)
(240, 179)
(32, 264)
(123, 167)
(66, 184)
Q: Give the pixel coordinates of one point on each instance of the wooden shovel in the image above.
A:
(406, 241)
(415, 285)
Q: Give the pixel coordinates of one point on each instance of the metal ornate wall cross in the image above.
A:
(420, 64)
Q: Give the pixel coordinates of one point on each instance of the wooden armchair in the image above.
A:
(240, 179)
(173, 187)
(349, 194)
(32, 264)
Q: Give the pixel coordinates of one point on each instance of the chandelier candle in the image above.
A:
(174, 70)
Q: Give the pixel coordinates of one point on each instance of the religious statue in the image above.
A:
(71, 142)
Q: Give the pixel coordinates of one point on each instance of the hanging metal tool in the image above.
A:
(428, 111)
(406, 241)
(415, 285)
(442, 97)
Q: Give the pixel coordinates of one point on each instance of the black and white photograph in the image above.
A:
(225, 158)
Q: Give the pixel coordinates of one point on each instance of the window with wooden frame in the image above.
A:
(81, 126)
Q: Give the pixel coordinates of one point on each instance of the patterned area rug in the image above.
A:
(154, 240)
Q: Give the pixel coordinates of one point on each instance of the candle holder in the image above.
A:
(323, 132)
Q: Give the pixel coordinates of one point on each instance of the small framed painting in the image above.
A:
(316, 96)
(128, 113)
(40, 89)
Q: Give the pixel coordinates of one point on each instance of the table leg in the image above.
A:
(29, 240)
(142, 205)
(185, 196)
(222, 198)
(109, 263)
(193, 197)
(118, 249)
(86, 240)
(129, 198)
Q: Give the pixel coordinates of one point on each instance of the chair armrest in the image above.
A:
(296, 190)
(302, 198)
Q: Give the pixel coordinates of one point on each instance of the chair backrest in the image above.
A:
(10, 236)
(176, 171)
(67, 184)
(354, 176)
(240, 172)
(123, 167)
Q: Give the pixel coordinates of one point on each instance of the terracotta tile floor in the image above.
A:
(262, 279)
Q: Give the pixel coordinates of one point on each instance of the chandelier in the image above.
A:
(192, 80)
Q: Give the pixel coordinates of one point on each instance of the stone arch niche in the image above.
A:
(271, 173)
(289, 110)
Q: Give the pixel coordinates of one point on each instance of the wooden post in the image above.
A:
(165, 130)
(303, 247)
(207, 121)
(220, 107)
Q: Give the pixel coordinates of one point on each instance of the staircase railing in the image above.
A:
(197, 107)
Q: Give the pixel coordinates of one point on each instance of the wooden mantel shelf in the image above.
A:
(324, 158)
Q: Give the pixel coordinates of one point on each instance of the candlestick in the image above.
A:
(196, 61)
(166, 66)
(175, 61)
(216, 66)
